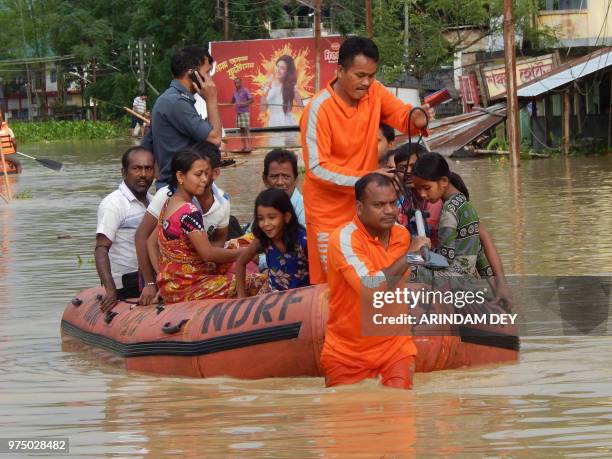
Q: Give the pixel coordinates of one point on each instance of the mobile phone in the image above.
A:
(194, 78)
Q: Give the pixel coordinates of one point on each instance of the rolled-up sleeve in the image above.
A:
(189, 122)
(109, 218)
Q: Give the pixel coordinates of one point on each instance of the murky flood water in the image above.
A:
(553, 219)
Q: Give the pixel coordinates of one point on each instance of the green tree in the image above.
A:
(98, 34)
(428, 47)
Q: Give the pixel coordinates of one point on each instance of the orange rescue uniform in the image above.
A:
(340, 146)
(355, 257)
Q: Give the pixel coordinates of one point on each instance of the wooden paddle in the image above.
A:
(137, 115)
(56, 166)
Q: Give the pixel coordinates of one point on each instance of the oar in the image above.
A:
(45, 162)
(137, 115)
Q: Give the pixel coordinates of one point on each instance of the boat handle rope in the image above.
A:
(170, 329)
(76, 302)
(110, 315)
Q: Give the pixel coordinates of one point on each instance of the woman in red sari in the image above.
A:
(190, 268)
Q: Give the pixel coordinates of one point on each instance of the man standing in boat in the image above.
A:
(119, 215)
(366, 254)
(175, 122)
(339, 133)
(7, 137)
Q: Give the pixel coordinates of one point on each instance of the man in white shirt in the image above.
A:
(119, 215)
(214, 204)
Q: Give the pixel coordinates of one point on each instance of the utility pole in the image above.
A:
(139, 64)
(368, 18)
(29, 91)
(406, 38)
(512, 126)
(567, 113)
(28, 76)
(94, 111)
(141, 67)
(226, 20)
(317, 34)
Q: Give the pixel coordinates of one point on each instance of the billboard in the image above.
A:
(279, 74)
(526, 70)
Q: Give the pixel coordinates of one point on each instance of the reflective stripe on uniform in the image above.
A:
(352, 259)
(313, 150)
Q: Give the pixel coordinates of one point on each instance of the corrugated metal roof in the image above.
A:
(567, 73)
(447, 135)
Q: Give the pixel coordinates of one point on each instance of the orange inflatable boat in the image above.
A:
(275, 335)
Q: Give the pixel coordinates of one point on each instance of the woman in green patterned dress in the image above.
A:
(458, 235)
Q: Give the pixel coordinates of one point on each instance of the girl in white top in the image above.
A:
(281, 94)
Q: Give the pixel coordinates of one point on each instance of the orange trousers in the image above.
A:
(395, 373)
(326, 209)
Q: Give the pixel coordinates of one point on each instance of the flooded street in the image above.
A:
(552, 218)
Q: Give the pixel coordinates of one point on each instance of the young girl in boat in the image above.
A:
(458, 227)
(190, 268)
(404, 158)
(281, 238)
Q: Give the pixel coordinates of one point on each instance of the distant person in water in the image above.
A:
(139, 105)
(7, 137)
(119, 214)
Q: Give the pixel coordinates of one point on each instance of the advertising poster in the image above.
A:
(526, 70)
(279, 74)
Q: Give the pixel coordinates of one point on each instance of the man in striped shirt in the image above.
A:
(339, 132)
(139, 106)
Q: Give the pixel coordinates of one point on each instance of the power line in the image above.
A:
(36, 60)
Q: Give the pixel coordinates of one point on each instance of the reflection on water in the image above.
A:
(551, 218)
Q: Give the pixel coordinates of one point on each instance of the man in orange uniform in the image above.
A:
(339, 132)
(367, 253)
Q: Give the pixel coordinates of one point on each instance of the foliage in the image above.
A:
(67, 130)
(25, 194)
(98, 34)
(498, 144)
(428, 48)
(387, 23)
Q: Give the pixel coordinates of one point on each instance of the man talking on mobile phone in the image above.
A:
(175, 122)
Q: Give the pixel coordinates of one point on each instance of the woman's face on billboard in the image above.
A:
(281, 70)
